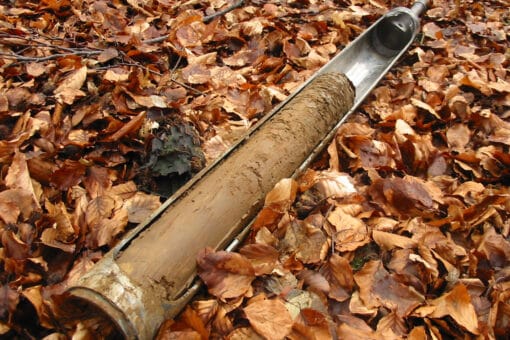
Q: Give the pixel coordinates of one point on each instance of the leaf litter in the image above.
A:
(400, 229)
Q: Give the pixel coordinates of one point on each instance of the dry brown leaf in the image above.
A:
(380, 288)
(282, 195)
(495, 247)
(227, 275)
(9, 299)
(18, 176)
(141, 206)
(307, 243)
(263, 258)
(456, 304)
(108, 54)
(339, 274)
(243, 333)
(392, 326)
(35, 69)
(389, 241)
(99, 208)
(34, 295)
(116, 74)
(73, 81)
(129, 128)
(16, 202)
(50, 237)
(269, 318)
(350, 232)
(105, 230)
(312, 325)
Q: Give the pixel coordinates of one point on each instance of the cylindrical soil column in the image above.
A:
(136, 286)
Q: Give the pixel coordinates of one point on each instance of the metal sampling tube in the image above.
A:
(136, 284)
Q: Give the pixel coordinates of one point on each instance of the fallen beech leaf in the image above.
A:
(191, 318)
(9, 211)
(282, 195)
(130, 127)
(243, 333)
(14, 247)
(68, 174)
(35, 69)
(74, 81)
(307, 243)
(339, 274)
(99, 208)
(425, 106)
(402, 195)
(206, 309)
(269, 318)
(69, 95)
(106, 229)
(263, 258)
(14, 202)
(116, 74)
(495, 247)
(314, 280)
(50, 237)
(141, 206)
(456, 304)
(350, 232)
(9, 299)
(227, 275)
(108, 54)
(196, 74)
(389, 241)
(63, 224)
(392, 326)
(98, 181)
(312, 325)
(18, 176)
(380, 288)
(149, 101)
(124, 190)
(458, 136)
(34, 295)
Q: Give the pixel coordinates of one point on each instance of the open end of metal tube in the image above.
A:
(90, 303)
(393, 33)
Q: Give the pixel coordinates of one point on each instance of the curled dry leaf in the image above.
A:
(350, 232)
(269, 318)
(388, 241)
(69, 88)
(282, 195)
(379, 287)
(456, 304)
(226, 275)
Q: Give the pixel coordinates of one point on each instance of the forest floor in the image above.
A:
(399, 230)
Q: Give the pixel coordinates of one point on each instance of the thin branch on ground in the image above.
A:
(206, 19)
(223, 12)
(21, 58)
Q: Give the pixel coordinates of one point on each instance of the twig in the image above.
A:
(156, 40)
(206, 19)
(222, 12)
(50, 57)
